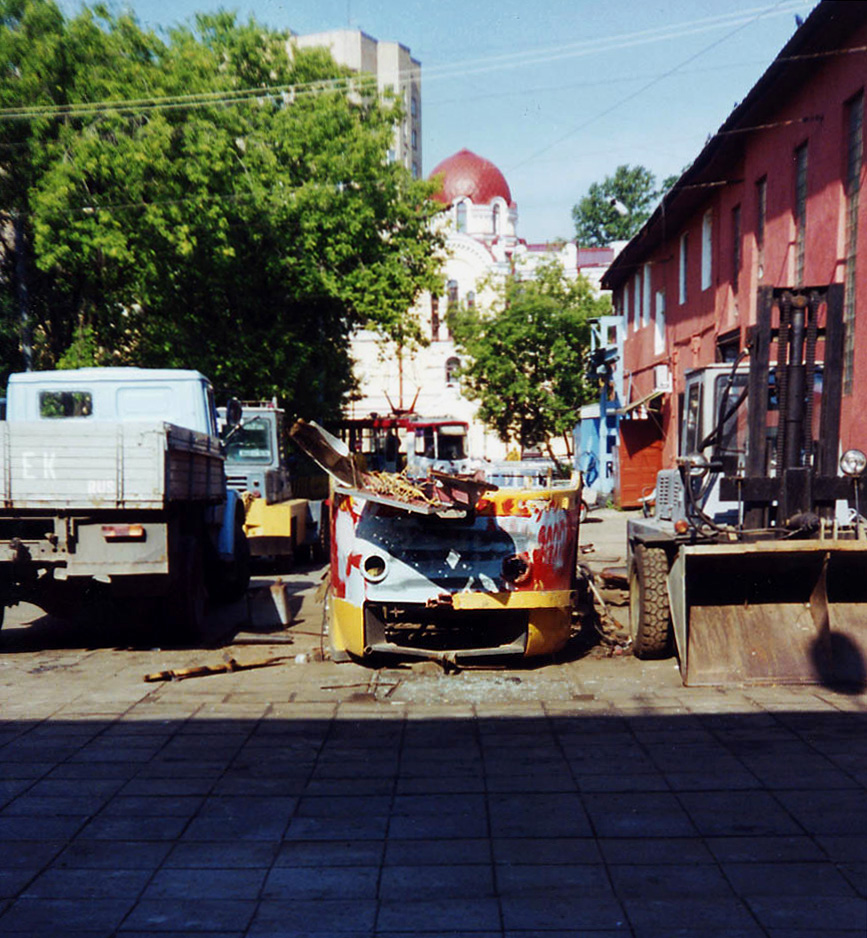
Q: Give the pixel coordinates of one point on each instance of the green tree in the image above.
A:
(616, 208)
(230, 209)
(524, 358)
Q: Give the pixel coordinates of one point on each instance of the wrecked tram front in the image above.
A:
(447, 567)
(496, 578)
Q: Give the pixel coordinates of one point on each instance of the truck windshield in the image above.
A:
(734, 435)
(692, 421)
(250, 443)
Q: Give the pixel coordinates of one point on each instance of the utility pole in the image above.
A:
(23, 301)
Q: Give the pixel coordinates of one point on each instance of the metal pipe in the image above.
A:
(794, 416)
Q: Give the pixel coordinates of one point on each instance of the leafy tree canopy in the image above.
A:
(206, 199)
(616, 208)
(524, 358)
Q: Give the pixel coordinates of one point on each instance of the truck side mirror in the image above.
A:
(234, 412)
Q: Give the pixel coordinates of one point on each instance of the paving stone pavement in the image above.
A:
(592, 796)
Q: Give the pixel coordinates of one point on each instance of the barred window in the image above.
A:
(854, 161)
(761, 215)
(800, 212)
(706, 250)
(736, 246)
(684, 257)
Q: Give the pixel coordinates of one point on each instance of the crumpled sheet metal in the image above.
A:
(426, 559)
(439, 494)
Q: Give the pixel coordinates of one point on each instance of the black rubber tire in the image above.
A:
(649, 610)
(233, 578)
(185, 604)
(320, 550)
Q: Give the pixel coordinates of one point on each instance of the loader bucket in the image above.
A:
(771, 612)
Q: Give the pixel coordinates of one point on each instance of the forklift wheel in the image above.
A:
(649, 612)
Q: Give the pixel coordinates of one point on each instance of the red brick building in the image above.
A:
(772, 200)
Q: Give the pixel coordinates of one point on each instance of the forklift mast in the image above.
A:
(791, 470)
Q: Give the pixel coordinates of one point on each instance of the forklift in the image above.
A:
(753, 567)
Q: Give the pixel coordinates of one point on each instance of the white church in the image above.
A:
(482, 245)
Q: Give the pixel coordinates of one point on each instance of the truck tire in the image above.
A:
(230, 580)
(320, 550)
(649, 611)
(184, 604)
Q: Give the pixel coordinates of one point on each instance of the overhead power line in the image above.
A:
(742, 24)
(349, 83)
(537, 56)
(614, 43)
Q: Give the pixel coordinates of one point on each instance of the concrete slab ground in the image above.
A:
(590, 796)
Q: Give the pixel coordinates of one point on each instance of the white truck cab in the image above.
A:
(181, 397)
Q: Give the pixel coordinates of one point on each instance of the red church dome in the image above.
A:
(466, 175)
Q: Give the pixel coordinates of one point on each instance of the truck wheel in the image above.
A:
(320, 550)
(649, 612)
(232, 579)
(184, 605)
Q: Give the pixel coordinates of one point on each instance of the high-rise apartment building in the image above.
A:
(395, 69)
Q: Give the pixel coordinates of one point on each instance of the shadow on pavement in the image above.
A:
(107, 624)
(713, 824)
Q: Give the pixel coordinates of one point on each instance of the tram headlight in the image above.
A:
(517, 569)
(374, 568)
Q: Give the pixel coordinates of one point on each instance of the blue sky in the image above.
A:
(557, 93)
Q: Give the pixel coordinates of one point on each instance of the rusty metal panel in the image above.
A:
(778, 612)
(768, 643)
(848, 644)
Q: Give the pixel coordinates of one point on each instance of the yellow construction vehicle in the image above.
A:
(278, 525)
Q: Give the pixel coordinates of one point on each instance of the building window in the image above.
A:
(728, 346)
(435, 318)
(800, 212)
(498, 219)
(452, 288)
(854, 163)
(645, 301)
(471, 299)
(461, 216)
(706, 249)
(452, 366)
(681, 279)
(415, 170)
(626, 310)
(415, 140)
(736, 246)
(659, 323)
(636, 299)
(611, 336)
(413, 106)
(761, 216)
